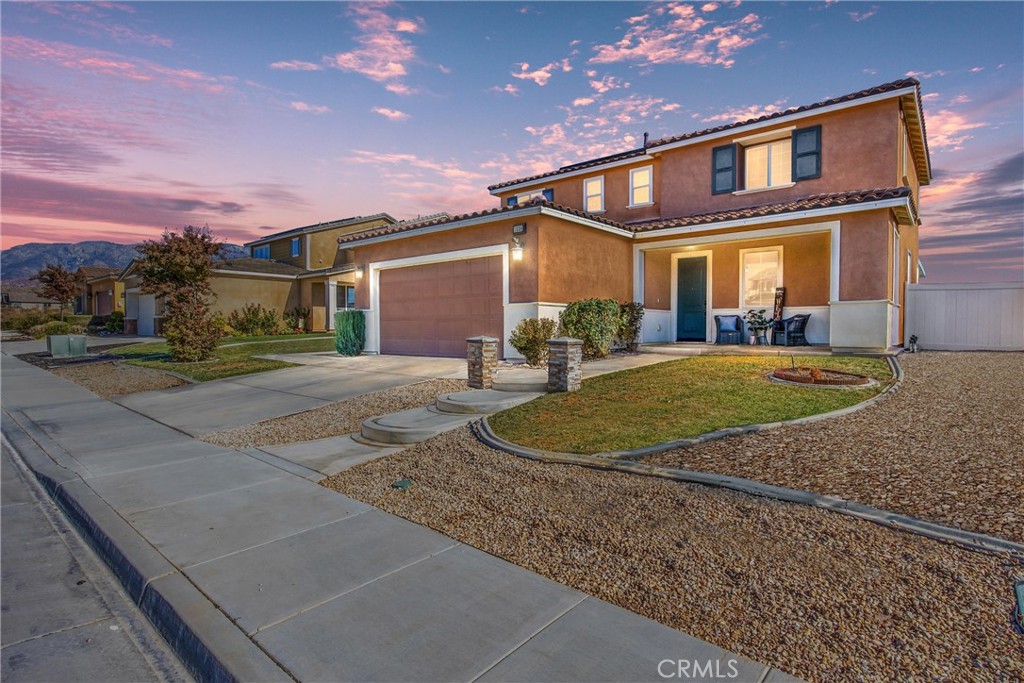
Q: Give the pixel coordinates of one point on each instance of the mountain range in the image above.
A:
(22, 262)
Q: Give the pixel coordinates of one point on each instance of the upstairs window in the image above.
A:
(527, 197)
(807, 153)
(593, 194)
(262, 251)
(756, 163)
(723, 169)
(641, 186)
(296, 246)
(760, 274)
(768, 165)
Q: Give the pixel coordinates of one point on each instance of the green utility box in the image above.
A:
(66, 345)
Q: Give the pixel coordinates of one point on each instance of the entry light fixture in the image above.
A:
(517, 249)
(359, 272)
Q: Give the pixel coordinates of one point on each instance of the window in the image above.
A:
(593, 194)
(346, 297)
(641, 186)
(296, 246)
(760, 274)
(262, 251)
(527, 197)
(723, 169)
(768, 165)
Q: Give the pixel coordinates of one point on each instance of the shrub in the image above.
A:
(46, 329)
(254, 320)
(530, 338)
(24, 319)
(296, 319)
(192, 333)
(631, 317)
(81, 320)
(349, 332)
(115, 322)
(594, 321)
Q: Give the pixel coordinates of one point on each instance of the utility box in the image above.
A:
(66, 345)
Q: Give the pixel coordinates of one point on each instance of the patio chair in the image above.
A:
(728, 329)
(791, 330)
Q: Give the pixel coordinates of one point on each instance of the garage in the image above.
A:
(430, 310)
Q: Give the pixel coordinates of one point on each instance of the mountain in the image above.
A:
(25, 260)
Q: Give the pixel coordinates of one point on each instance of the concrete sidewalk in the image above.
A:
(254, 573)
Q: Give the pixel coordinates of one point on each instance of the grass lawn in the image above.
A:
(230, 358)
(677, 400)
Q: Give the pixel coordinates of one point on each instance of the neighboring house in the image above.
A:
(26, 296)
(102, 292)
(820, 199)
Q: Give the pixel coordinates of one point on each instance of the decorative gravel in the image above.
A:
(821, 596)
(335, 419)
(947, 447)
(116, 379)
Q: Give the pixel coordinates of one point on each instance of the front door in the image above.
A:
(691, 307)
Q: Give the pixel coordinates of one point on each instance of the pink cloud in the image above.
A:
(865, 15)
(310, 108)
(96, 19)
(924, 75)
(582, 101)
(390, 114)
(296, 65)
(542, 75)
(752, 111)
(384, 52)
(508, 89)
(606, 83)
(635, 108)
(949, 130)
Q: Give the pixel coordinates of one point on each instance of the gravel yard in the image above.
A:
(819, 595)
(335, 419)
(947, 447)
(109, 379)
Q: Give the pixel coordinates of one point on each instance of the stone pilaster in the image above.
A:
(565, 360)
(482, 360)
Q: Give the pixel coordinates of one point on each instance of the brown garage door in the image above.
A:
(430, 310)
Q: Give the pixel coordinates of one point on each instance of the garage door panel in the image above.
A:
(432, 309)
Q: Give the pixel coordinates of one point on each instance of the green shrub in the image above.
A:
(24, 319)
(349, 332)
(594, 321)
(81, 320)
(530, 338)
(46, 329)
(254, 320)
(192, 333)
(296, 319)
(631, 317)
(115, 322)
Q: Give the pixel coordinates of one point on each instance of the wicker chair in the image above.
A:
(791, 330)
(728, 329)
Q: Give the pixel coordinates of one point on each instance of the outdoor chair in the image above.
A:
(791, 330)
(728, 329)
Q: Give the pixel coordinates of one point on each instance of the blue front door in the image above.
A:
(691, 306)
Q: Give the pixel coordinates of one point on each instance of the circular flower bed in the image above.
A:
(819, 376)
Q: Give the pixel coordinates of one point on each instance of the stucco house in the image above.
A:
(820, 199)
(101, 292)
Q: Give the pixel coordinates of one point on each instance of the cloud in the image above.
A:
(296, 65)
(390, 114)
(582, 101)
(636, 108)
(865, 15)
(949, 130)
(383, 53)
(674, 33)
(542, 75)
(709, 7)
(606, 83)
(310, 108)
(924, 75)
(508, 89)
(98, 19)
(752, 111)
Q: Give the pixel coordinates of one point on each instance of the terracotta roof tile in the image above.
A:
(90, 272)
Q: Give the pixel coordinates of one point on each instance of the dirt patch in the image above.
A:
(821, 596)
(819, 376)
(110, 378)
(335, 419)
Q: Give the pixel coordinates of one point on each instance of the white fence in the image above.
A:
(966, 317)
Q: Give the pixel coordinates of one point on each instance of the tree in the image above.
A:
(58, 283)
(177, 269)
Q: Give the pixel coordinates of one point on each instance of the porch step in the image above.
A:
(521, 381)
(482, 401)
(412, 426)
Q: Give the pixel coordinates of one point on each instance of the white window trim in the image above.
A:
(600, 180)
(779, 283)
(528, 195)
(768, 170)
(761, 138)
(764, 189)
(632, 171)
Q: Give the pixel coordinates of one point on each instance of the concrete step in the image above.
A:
(482, 401)
(412, 426)
(521, 380)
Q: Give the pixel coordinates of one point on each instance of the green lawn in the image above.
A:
(228, 360)
(677, 400)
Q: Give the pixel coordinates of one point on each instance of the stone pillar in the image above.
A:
(482, 359)
(565, 360)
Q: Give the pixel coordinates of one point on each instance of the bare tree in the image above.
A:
(58, 283)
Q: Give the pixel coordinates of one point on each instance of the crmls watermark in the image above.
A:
(695, 669)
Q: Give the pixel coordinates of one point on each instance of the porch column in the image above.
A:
(332, 302)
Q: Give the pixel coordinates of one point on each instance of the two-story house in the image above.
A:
(819, 199)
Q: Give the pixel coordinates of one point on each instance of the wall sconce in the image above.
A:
(359, 272)
(517, 249)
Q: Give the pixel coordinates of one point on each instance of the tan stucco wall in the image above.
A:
(577, 262)
(234, 291)
(323, 245)
(864, 256)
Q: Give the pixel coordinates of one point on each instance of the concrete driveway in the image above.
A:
(321, 379)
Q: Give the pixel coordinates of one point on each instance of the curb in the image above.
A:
(210, 645)
(620, 461)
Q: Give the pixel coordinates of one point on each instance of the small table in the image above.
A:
(760, 335)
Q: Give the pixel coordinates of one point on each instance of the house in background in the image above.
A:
(26, 297)
(820, 199)
(101, 292)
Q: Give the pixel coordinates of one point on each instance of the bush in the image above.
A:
(254, 320)
(530, 338)
(349, 332)
(192, 333)
(594, 321)
(46, 329)
(631, 317)
(81, 320)
(24, 319)
(115, 322)
(296, 319)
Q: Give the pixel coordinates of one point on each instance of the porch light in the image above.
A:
(517, 249)
(359, 272)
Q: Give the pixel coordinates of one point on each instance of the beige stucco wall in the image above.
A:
(322, 245)
(235, 291)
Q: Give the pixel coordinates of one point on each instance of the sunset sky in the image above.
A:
(121, 119)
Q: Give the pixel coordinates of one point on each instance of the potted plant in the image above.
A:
(757, 323)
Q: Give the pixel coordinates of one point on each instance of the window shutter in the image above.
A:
(512, 201)
(549, 195)
(723, 169)
(807, 153)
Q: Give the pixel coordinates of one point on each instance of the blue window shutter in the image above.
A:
(512, 201)
(549, 195)
(807, 153)
(723, 169)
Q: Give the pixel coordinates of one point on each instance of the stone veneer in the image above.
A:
(565, 360)
(482, 359)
